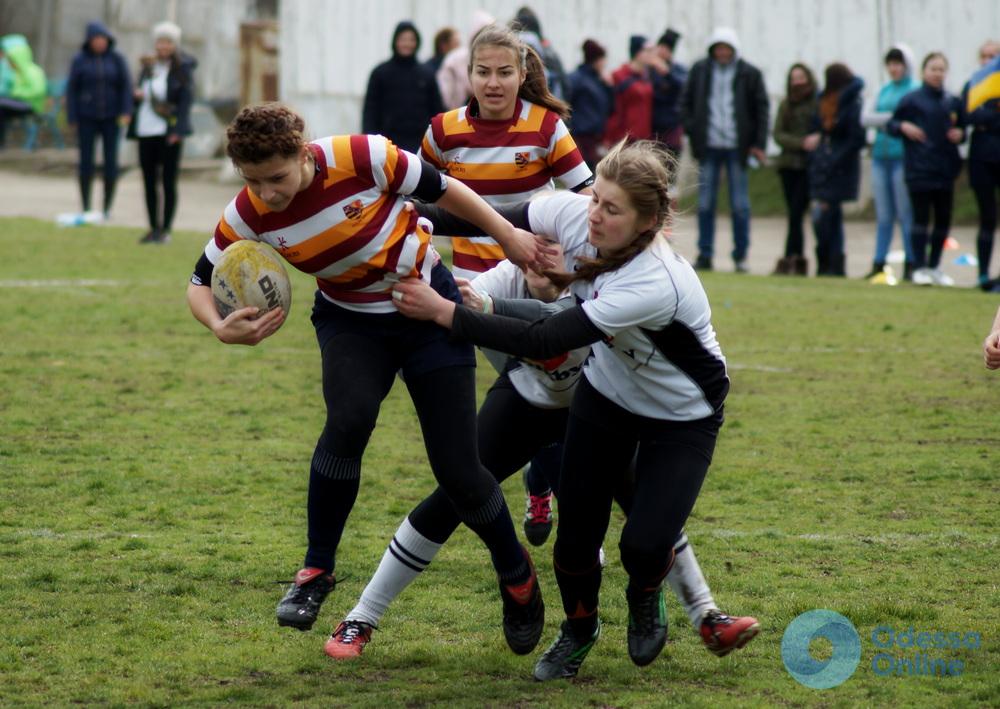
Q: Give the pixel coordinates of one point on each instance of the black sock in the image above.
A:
(579, 591)
(333, 488)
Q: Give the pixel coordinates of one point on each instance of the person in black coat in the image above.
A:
(402, 94)
(835, 164)
(164, 95)
(984, 163)
(724, 111)
(98, 100)
(592, 99)
(929, 121)
(669, 78)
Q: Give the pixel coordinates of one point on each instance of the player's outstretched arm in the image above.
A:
(239, 327)
(991, 345)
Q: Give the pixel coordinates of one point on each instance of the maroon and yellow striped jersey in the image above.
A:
(348, 228)
(505, 162)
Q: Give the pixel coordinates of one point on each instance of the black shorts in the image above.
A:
(417, 346)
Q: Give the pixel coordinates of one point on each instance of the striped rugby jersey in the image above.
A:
(504, 162)
(348, 228)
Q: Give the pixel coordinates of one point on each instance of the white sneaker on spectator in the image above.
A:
(922, 277)
(940, 278)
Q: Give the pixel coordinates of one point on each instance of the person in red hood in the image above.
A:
(633, 114)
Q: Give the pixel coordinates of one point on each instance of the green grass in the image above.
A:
(153, 480)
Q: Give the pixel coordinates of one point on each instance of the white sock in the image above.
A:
(688, 583)
(408, 554)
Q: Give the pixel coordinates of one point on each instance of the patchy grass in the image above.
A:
(153, 488)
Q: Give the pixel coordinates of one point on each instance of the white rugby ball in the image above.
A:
(250, 273)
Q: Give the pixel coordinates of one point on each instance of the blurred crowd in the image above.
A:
(718, 109)
(721, 105)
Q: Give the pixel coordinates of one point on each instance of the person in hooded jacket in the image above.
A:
(98, 102)
(835, 164)
(984, 162)
(632, 117)
(792, 127)
(402, 94)
(892, 201)
(929, 121)
(724, 109)
(163, 97)
(22, 82)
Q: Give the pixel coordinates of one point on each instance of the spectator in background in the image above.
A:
(402, 94)
(928, 119)
(835, 164)
(592, 98)
(984, 153)
(633, 114)
(162, 118)
(445, 40)
(453, 76)
(724, 109)
(526, 22)
(892, 201)
(668, 86)
(98, 102)
(22, 82)
(792, 126)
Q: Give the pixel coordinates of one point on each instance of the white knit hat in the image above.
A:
(167, 30)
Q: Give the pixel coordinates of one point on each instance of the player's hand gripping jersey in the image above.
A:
(349, 228)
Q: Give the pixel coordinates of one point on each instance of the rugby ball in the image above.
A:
(250, 273)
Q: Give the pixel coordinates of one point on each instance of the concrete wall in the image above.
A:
(328, 48)
(55, 29)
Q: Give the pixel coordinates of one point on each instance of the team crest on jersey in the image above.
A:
(353, 210)
(521, 159)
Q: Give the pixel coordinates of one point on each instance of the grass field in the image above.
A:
(153, 480)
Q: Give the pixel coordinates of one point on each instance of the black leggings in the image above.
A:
(87, 132)
(672, 461)
(511, 431)
(361, 355)
(158, 159)
(795, 186)
(984, 177)
(923, 201)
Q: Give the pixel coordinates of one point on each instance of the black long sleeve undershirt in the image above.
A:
(447, 224)
(540, 339)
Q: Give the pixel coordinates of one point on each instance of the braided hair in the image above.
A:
(642, 169)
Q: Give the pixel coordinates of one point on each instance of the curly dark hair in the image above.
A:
(261, 131)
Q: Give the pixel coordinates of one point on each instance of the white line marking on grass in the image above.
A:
(894, 539)
(758, 368)
(60, 283)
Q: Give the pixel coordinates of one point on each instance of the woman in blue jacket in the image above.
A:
(835, 164)
(928, 120)
(984, 164)
(892, 200)
(592, 99)
(98, 100)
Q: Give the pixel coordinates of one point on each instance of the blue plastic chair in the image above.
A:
(55, 91)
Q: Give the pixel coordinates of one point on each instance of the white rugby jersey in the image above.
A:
(660, 358)
(547, 384)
